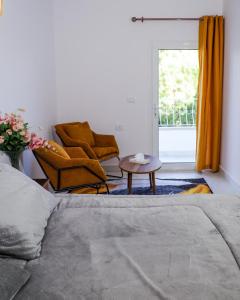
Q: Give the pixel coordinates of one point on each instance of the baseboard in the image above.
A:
(230, 179)
(176, 167)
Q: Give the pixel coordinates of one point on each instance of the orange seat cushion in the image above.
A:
(81, 132)
(76, 152)
(57, 149)
(103, 151)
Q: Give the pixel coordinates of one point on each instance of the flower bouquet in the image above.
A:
(15, 137)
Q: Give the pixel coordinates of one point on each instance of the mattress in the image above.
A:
(138, 247)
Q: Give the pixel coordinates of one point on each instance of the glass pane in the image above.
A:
(178, 80)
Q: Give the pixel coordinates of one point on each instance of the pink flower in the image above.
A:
(20, 126)
(14, 128)
(27, 137)
(19, 119)
(9, 132)
(1, 139)
(36, 142)
(22, 133)
(7, 119)
(4, 121)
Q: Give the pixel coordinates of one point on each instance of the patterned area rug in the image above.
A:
(163, 187)
(169, 187)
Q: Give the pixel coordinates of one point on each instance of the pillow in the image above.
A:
(12, 279)
(24, 211)
(4, 158)
(57, 149)
(81, 132)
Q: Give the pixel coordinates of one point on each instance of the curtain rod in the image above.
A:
(142, 19)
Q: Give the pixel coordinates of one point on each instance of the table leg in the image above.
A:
(129, 183)
(150, 180)
(153, 182)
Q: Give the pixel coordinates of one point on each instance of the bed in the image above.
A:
(137, 247)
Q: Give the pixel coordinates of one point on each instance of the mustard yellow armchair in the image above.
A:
(70, 168)
(97, 146)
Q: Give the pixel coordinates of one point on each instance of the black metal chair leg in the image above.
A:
(116, 176)
(107, 188)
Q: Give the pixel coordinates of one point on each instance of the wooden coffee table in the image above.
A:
(135, 168)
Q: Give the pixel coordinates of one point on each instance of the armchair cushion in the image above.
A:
(80, 132)
(76, 152)
(105, 140)
(104, 151)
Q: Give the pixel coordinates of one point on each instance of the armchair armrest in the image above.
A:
(87, 163)
(105, 140)
(64, 164)
(94, 166)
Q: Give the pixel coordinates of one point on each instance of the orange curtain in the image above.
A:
(210, 88)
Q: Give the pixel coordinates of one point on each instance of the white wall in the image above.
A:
(231, 110)
(102, 58)
(27, 70)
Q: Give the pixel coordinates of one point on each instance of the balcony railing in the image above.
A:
(178, 114)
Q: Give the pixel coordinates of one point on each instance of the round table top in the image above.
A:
(136, 168)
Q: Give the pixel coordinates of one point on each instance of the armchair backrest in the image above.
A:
(75, 131)
(47, 157)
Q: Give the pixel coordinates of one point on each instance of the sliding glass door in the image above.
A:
(175, 106)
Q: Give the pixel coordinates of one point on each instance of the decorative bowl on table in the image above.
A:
(139, 159)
